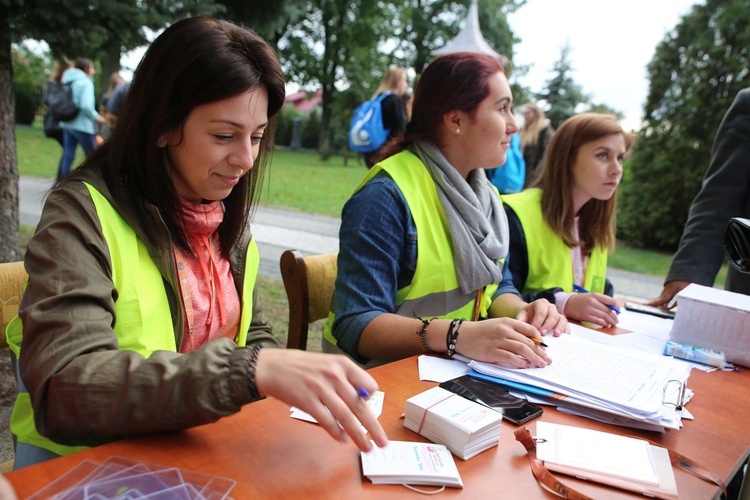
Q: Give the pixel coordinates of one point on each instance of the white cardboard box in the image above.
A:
(716, 319)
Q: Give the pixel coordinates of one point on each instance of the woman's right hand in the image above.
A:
(325, 386)
(504, 341)
(592, 308)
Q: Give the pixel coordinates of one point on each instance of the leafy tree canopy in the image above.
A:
(561, 93)
(101, 30)
(694, 75)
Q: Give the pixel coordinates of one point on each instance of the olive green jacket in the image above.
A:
(84, 389)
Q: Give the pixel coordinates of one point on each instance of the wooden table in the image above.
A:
(270, 454)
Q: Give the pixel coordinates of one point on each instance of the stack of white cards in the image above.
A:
(465, 427)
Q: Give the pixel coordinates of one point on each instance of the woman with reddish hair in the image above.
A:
(424, 237)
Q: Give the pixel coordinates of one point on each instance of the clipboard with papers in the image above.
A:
(601, 381)
(623, 462)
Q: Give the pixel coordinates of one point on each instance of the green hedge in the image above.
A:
(29, 100)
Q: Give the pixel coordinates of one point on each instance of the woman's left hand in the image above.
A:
(544, 316)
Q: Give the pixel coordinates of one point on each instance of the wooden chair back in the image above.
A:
(12, 279)
(309, 288)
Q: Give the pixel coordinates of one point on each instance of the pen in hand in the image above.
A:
(538, 342)
(362, 393)
(580, 289)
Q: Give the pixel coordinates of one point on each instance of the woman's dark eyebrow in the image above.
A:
(238, 125)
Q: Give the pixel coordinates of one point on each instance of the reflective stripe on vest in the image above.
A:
(549, 261)
(143, 316)
(434, 289)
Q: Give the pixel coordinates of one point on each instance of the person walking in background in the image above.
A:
(393, 106)
(423, 239)
(115, 80)
(141, 312)
(562, 227)
(114, 105)
(84, 127)
(725, 194)
(535, 136)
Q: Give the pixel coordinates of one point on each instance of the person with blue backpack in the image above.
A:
(82, 128)
(380, 118)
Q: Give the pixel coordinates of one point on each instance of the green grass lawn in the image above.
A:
(304, 182)
(629, 258)
(39, 156)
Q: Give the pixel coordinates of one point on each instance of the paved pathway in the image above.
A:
(277, 230)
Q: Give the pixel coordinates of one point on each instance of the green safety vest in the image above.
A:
(144, 322)
(550, 263)
(434, 291)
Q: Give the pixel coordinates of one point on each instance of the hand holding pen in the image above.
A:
(595, 308)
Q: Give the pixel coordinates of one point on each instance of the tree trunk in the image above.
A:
(325, 120)
(8, 164)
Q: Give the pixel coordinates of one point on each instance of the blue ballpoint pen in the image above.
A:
(580, 289)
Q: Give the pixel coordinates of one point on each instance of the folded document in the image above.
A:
(402, 462)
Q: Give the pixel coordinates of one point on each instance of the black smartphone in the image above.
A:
(653, 311)
(514, 409)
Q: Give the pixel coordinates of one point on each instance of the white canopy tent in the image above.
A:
(470, 38)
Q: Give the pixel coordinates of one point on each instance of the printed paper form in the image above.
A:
(647, 332)
(591, 450)
(411, 463)
(651, 337)
(624, 377)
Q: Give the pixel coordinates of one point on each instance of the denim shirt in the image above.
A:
(377, 257)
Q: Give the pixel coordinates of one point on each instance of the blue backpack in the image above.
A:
(366, 131)
(510, 177)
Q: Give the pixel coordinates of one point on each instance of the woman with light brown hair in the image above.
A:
(562, 228)
(535, 136)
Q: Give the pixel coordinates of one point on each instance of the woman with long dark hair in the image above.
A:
(141, 312)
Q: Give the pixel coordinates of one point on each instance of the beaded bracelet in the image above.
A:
(423, 332)
(254, 393)
(452, 337)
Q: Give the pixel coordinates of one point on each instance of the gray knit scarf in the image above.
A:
(477, 220)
